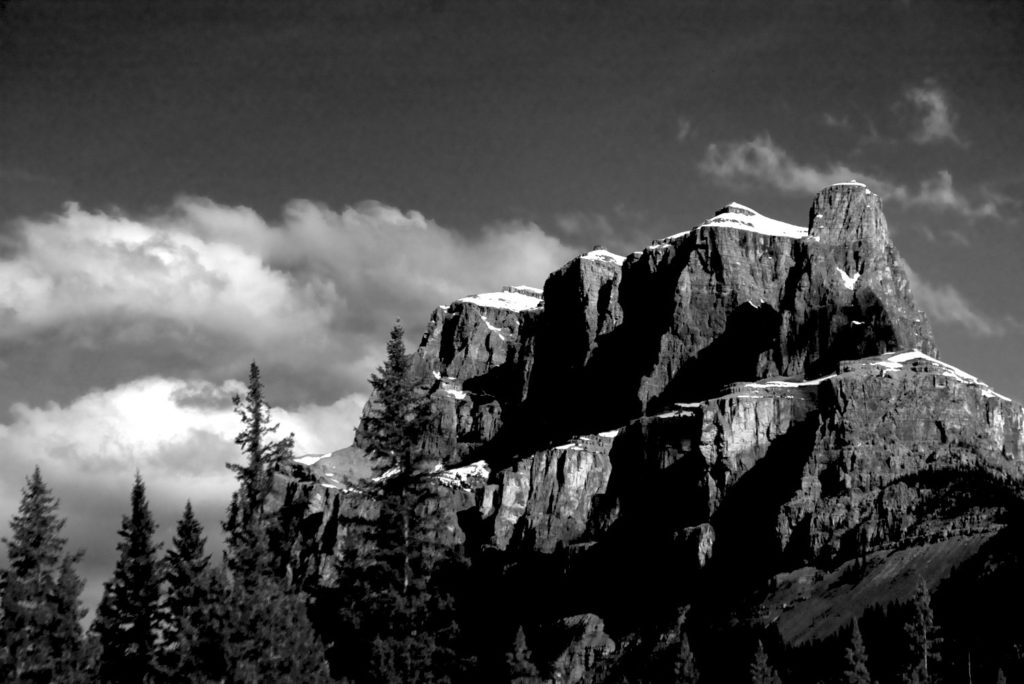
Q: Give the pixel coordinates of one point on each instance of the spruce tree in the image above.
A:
(761, 671)
(397, 583)
(393, 423)
(919, 630)
(192, 644)
(40, 609)
(269, 637)
(127, 619)
(684, 667)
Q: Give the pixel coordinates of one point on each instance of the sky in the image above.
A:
(189, 186)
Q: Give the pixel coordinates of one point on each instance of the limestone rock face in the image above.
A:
(727, 302)
(732, 404)
(740, 297)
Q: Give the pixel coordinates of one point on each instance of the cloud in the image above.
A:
(938, 193)
(761, 160)
(177, 433)
(938, 118)
(834, 121)
(683, 128)
(945, 304)
(125, 336)
(201, 288)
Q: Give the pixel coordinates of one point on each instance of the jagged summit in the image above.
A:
(735, 215)
(744, 406)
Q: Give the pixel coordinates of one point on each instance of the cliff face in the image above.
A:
(731, 404)
(740, 297)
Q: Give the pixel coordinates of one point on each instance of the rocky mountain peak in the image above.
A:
(735, 402)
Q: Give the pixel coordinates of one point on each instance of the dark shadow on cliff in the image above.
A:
(733, 356)
(747, 549)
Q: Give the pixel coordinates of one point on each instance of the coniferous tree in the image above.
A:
(919, 630)
(266, 628)
(40, 609)
(127, 619)
(1000, 677)
(761, 671)
(856, 671)
(519, 661)
(250, 534)
(192, 645)
(684, 668)
(399, 578)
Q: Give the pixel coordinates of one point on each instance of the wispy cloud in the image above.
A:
(943, 303)
(683, 128)
(939, 193)
(761, 160)
(833, 121)
(938, 118)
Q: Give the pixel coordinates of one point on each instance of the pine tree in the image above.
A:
(919, 630)
(128, 615)
(519, 661)
(856, 671)
(761, 671)
(250, 535)
(1000, 677)
(684, 668)
(192, 644)
(40, 609)
(266, 628)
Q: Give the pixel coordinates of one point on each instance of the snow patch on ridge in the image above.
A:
(464, 476)
(512, 301)
(790, 383)
(896, 361)
(492, 328)
(457, 393)
(744, 218)
(849, 282)
(310, 459)
(603, 255)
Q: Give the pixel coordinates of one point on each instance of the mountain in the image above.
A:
(742, 426)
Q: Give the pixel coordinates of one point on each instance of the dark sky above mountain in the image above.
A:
(185, 186)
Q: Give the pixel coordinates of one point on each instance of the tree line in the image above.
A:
(401, 607)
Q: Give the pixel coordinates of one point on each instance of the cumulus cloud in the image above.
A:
(178, 434)
(125, 336)
(763, 161)
(945, 304)
(202, 288)
(938, 118)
